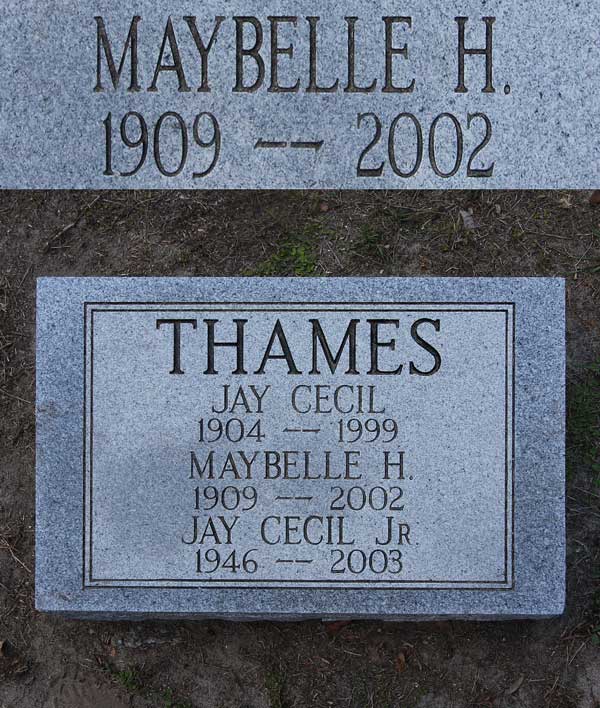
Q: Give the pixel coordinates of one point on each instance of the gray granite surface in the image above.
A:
(254, 483)
(533, 123)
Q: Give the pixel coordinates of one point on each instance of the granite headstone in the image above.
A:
(288, 448)
(379, 95)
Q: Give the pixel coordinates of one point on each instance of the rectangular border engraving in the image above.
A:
(89, 582)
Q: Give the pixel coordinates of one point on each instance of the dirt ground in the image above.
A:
(50, 662)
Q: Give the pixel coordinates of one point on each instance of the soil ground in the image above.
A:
(50, 662)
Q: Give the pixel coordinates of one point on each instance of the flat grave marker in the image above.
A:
(479, 94)
(288, 448)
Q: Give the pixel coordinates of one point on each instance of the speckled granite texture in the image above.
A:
(120, 533)
(538, 128)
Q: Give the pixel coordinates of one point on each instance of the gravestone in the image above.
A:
(290, 448)
(472, 95)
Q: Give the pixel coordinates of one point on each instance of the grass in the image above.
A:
(274, 683)
(132, 681)
(370, 242)
(169, 701)
(583, 426)
(292, 258)
(297, 255)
